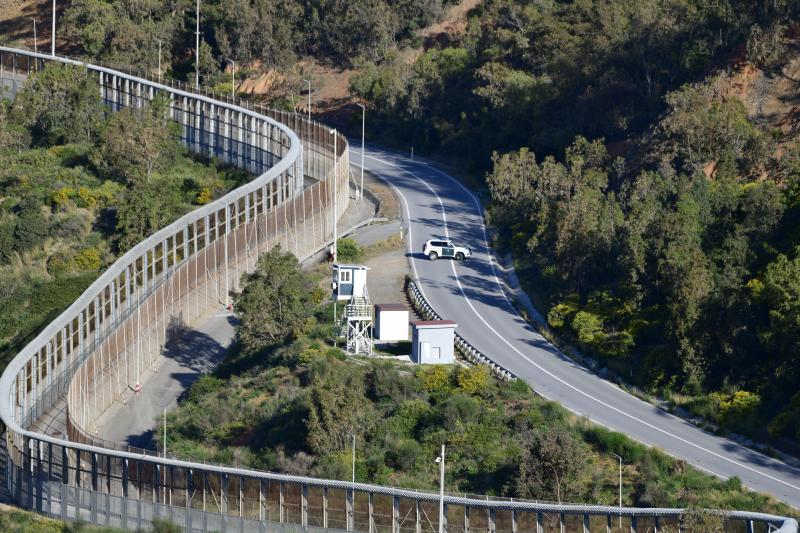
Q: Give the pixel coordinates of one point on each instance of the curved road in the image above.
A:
(470, 292)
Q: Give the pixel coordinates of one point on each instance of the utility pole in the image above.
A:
(159, 60)
(197, 49)
(363, 131)
(440, 460)
(335, 185)
(53, 36)
(354, 458)
(35, 44)
(620, 489)
(233, 79)
(309, 99)
(165, 432)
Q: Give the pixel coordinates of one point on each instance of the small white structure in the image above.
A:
(391, 322)
(349, 281)
(350, 284)
(358, 315)
(432, 342)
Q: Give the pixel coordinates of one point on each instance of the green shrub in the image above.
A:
(204, 387)
(560, 314)
(402, 453)
(474, 380)
(736, 410)
(88, 260)
(435, 378)
(408, 415)
(459, 409)
(588, 327)
(309, 355)
(161, 525)
(348, 251)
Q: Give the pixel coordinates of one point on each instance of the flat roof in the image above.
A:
(434, 323)
(344, 265)
(391, 307)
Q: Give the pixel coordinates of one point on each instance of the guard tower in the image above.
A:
(350, 283)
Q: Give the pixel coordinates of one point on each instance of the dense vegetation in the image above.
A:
(16, 521)
(677, 265)
(654, 223)
(537, 74)
(264, 32)
(287, 401)
(78, 187)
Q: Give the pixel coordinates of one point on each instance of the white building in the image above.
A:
(432, 342)
(391, 322)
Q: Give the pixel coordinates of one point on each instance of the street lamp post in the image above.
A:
(53, 36)
(363, 130)
(620, 488)
(309, 99)
(35, 44)
(197, 49)
(440, 461)
(335, 218)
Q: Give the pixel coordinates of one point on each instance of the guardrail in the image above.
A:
(99, 347)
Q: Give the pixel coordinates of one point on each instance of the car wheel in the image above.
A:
(459, 256)
(433, 256)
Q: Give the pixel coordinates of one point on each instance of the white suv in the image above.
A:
(435, 249)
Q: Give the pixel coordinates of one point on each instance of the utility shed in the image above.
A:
(432, 341)
(391, 322)
(349, 281)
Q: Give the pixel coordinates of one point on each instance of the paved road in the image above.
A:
(197, 352)
(471, 293)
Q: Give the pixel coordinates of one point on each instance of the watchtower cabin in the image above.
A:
(349, 281)
(350, 284)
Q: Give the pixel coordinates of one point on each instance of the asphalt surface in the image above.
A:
(197, 352)
(436, 206)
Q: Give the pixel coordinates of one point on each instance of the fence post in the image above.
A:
(349, 505)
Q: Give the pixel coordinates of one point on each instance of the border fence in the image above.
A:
(96, 351)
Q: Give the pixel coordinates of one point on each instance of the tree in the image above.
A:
(550, 464)
(91, 23)
(275, 301)
(31, 227)
(60, 104)
(146, 208)
(136, 143)
(766, 47)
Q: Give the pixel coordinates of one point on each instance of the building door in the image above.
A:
(424, 352)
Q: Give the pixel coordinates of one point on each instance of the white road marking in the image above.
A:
(560, 380)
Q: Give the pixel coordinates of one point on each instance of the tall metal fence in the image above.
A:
(96, 351)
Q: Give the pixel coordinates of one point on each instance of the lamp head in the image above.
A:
(438, 460)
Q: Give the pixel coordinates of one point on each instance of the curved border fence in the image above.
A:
(97, 350)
